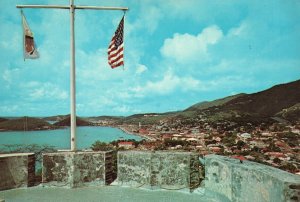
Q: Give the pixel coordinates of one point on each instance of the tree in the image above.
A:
(240, 144)
(277, 160)
(101, 146)
(289, 167)
(273, 147)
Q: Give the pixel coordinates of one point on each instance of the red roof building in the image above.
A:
(126, 145)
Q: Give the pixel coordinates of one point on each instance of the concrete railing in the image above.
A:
(160, 169)
(237, 181)
(248, 181)
(17, 170)
(76, 169)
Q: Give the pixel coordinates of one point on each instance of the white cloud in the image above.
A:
(147, 22)
(38, 91)
(9, 109)
(140, 69)
(168, 84)
(237, 31)
(187, 48)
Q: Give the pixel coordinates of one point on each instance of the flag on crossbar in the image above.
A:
(29, 47)
(116, 47)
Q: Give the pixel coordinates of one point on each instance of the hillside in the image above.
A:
(25, 124)
(56, 118)
(67, 122)
(144, 119)
(214, 103)
(266, 103)
(105, 117)
(281, 101)
(3, 119)
(291, 113)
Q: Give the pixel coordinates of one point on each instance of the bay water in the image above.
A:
(60, 138)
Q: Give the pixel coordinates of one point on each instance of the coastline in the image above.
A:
(134, 133)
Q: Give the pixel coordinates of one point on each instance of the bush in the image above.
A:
(101, 146)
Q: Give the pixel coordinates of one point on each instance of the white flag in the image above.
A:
(29, 48)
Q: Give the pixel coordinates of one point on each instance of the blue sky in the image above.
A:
(177, 53)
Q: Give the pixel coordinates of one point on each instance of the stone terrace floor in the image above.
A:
(103, 194)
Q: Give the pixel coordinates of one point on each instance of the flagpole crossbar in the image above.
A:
(75, 7)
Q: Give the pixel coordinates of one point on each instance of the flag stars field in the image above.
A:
(175, 53)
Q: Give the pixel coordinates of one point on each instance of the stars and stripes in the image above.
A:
(116, 47)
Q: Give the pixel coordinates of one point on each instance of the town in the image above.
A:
(275, 144)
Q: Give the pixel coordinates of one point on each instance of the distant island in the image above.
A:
(25, 124)
(67, 122)
(32, 124)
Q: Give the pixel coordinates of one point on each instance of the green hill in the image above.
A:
(280, 100)
(266, 103)
(25, 124)
(291, 113)
(67, 122)
(56, 118)
(214, 103)
(3, 119)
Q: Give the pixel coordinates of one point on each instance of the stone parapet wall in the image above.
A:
(160, 169)
(17, 170)
(75, 169)
(249, 181)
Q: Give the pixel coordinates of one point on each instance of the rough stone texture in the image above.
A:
(74, 169)
(134, 168)
(17, 170)
(167, 170)
(250, 181)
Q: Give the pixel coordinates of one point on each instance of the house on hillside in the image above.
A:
(126, 145)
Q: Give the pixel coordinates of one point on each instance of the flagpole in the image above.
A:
(72, 79)
(72, 8)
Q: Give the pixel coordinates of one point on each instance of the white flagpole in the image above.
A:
(72, 8)
(72, 78)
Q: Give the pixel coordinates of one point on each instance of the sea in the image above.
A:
(60, 138)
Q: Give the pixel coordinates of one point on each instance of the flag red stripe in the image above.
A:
(116, 53)
(113, 49)
(117, 65)
(116, 60)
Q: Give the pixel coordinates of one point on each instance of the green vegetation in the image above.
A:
(214, 103)
(229, 140)
(289, 167)
(173, 143)
(3, 119)
(67, 122)
(291, 113)
(25, 124)
(135, 142)
(101, 146)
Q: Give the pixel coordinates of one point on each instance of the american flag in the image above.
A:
(116, 47)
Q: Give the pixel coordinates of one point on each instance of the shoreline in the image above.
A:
(124, 129)
(133, 133)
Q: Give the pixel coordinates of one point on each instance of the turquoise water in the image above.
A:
(60, 139)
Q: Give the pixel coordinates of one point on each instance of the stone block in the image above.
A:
(75, 169)
(160, 169)
(17, 170)
(250, 181)
(134, 168)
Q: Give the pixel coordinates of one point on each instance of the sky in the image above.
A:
(177, 53)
